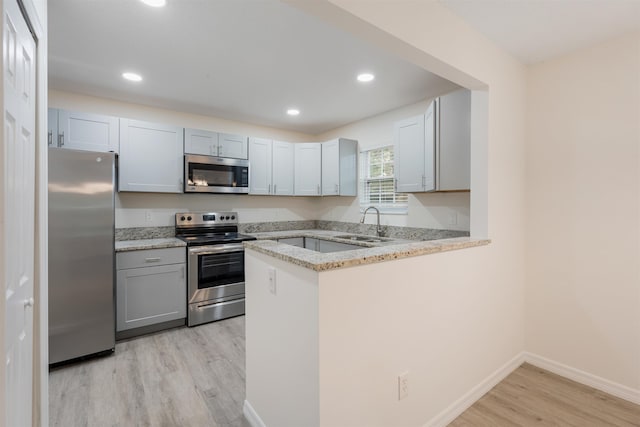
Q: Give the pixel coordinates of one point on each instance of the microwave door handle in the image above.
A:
(212, 250)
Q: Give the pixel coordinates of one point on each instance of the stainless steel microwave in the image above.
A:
(206, 174)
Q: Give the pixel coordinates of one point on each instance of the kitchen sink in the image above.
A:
(319, 245)
(358, 238)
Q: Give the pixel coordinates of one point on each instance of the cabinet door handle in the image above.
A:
(337, 189)
(152, 259)
(395, 185)
(182, 272)
(424, 178)
(318, 188)
(269, 190)
(50, 140)
(61, 139)
(274, 189)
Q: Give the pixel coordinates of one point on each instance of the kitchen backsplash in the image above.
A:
(410, 233)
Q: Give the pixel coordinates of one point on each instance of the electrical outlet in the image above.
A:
(403, 385)
(453, 218)
(148, 217)
(272, 280)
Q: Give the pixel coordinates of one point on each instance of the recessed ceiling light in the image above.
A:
(132, 77)
(365, 77)
(293, 111)
(154, 3)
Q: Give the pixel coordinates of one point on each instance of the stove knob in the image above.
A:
(188, 218)
(181, 218)
(233, 217)
(227, 217)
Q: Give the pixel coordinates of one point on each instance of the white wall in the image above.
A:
(433, 210)
(443, 318)
(583, 209)
(131, 208)
(282, 342)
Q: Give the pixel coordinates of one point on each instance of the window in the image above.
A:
(377, 180)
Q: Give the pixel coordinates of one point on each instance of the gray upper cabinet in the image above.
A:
(282, 168)
(210, 143)
(151, 157)
(307, 169)
(232, 146)
(453, 152)
(432, 150)
(339, 170)
(260, 150)
(83, 131)
(52, 127)
(201, 142)
(271, 167)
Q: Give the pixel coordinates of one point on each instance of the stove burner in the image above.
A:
(209, 228)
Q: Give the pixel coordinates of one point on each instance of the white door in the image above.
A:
(307, 168)
(260, 171)
(18, 193)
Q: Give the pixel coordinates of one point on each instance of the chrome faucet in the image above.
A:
(378, 229)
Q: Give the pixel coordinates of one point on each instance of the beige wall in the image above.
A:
(430, 210)
(583, 211)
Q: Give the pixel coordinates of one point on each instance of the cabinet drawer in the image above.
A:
(150, 257)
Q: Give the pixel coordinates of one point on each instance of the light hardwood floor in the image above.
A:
(181, 377)
(196, 377)
(531, 396)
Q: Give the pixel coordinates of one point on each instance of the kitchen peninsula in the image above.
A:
(326, 330)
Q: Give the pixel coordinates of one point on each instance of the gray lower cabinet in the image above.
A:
(151, 287)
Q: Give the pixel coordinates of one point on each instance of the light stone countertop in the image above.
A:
(142, 244)
(387, 250)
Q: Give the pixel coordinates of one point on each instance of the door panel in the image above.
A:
(233, 146)
(409, 154)
(282, 168)
(260, 179)
(90, 132)
(18, 204)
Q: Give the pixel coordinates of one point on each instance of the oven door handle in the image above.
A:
(217, 249)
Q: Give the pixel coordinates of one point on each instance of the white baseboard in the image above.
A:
(458, 407)
(251, 415)
(582, 377)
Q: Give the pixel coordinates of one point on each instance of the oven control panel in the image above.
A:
(203, 219)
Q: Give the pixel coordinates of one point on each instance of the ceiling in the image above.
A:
(245, 60)
(251, 60)
(539, 30)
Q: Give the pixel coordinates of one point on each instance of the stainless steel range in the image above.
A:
(215, 265)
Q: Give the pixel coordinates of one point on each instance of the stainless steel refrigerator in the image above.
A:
(81, 253)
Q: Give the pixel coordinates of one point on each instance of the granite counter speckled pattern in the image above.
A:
(139, 233)
(142, 244)
(387, 250)
(397, 232)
